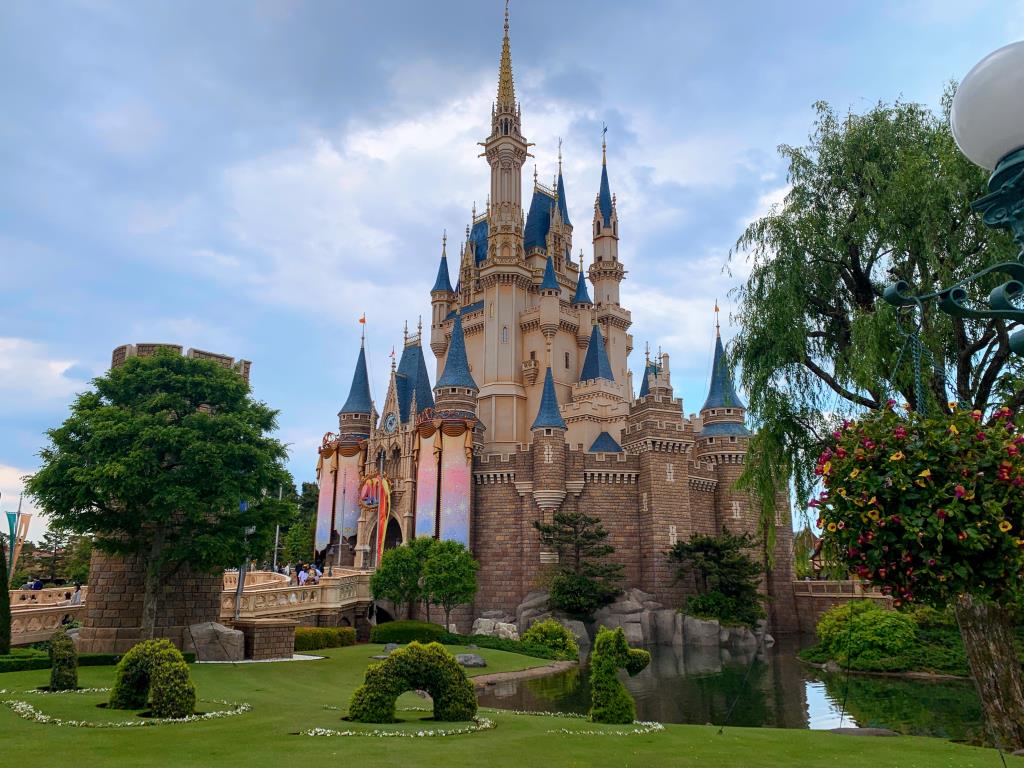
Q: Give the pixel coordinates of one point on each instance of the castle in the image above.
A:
(533, 410)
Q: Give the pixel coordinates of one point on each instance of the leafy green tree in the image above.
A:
(586, 578)
(154, 462)
(54, 551)
(5, 602)
(724, 574)
(449, 576)
(76, 568)
(397, 578)
(875, 198)
(422, 546)
(297, 543)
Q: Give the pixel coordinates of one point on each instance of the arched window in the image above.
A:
(504, 335)
(566, 359)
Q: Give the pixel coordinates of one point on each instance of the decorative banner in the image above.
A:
(375, 495)
(456, 473)
(426, 484)
(326, 473)
(346, 515)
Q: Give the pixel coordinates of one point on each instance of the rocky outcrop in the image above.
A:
(506, 630)
(215, 642)
(473, 660)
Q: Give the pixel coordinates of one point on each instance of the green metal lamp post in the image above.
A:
(987, 121)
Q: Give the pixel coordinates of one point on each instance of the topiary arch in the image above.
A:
(416, 667)
(154, 672)
(610, 702)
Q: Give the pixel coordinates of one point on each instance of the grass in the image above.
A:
(290, 697)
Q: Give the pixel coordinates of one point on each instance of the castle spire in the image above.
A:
(595, 364)
(359, 400)
(548, 415)
(443, 281)
(721, 393)
(506, 88)
(456, 366)
(582, 295)
(604, 196)
(563, 206)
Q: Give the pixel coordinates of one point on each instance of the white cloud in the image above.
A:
(130, 129)
(31, 376)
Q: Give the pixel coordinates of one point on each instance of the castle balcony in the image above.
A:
(531, 369)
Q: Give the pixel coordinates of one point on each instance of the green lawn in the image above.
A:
(290, 697)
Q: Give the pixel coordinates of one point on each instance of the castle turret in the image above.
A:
(356, 416)
(549, 458)
(455, 389)
(550, 294)
(442, 297)
(723, 413)
(595, 364)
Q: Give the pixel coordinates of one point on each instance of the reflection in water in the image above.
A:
(719, 686)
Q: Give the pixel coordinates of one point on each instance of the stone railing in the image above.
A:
(814, 598)
(36, 625)
(33, 598)
(255, 580)
(345, 589)
(848, 588)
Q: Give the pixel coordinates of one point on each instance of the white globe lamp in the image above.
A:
(987, 118)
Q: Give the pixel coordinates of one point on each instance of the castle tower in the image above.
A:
(442, 295)
(583, 305)
(455, 389)
(355, 419)
(549, 457)
(607, 273)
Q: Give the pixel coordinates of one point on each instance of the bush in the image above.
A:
(550, 634)
(610, 702)
(833, 626)
(501, 644)
(154, 669)
(22, 659)
(578, 595)
(403, 632)
(416, 667)
(726, 609)
(63, 660)
(863, 636)
(314, 638)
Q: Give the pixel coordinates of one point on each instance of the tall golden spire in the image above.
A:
(506, 90)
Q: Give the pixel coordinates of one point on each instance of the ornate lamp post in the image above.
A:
(987, 121)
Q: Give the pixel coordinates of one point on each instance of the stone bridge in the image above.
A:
(338, 600)
(813, 598)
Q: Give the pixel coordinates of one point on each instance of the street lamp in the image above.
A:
(987, 120)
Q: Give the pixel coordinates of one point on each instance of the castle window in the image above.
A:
(533, 354)
(504, 335)
(732, 439)
(547, 432)
(566, 359)
(711, 440)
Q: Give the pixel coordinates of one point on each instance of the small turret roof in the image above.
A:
(595, 364)
(478, 236)
(548, 415)
(582, 295)
(605, 443)
(456, 366)
(443, 282)
(650, 368)
(721, 393)
(359, 400)
(550, 282)
(412, 378)
(563, 206)
(538, 221)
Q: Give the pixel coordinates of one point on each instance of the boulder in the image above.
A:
(652, 605)
(531, 617)
(215, 642)
(482, 626)
(638, 595)
(470, 660)
(534, 600)
(626, 607)
(634, 633)
(647, 627)
(741, 637)
(579, 631)
(699, 632)
(769, 640)
(506, 631)
(665, 626)
(388, 648)
(496, 615)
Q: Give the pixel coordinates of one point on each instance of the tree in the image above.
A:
(874, 198)
(297, 544)
(397, 578)
(422, 546)
(726, 577)
(76, 568)
(54, 550)
(5, 602)
(585, 579)
(449, 576)
(154, 462)
(931, 510)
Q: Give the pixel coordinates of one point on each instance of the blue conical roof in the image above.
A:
(443, 282)
(456, 366)
(582, 295)
(548, 415)
(605, 443)
(359, 400)
(721, 394)
(595, 364)
(649, 368)
(412, 378)
(550, 282)
(563, 207)
(604, 197)
(538, 221)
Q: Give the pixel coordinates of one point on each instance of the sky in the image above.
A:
(249, 177)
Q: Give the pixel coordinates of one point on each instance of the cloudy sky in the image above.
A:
(249, 177)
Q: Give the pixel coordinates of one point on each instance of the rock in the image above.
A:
(483, 626)
(741, 637)
(531, 617)
(506, 631)
(769, 640)
(470, 660)
(634, 633)
(699, 632)
(638, 595)
(611, 621)
(647, 627)
(702, 660)
(534, 600)
(579, 631)
(651, 605)
(863, 732)
(471, 647)
(380, 656)
(665, 626)
(215, 642)
(626, 607)
(390, 647)
(496, 615)
(831, 666)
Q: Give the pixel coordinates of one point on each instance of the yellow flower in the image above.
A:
(863, 518)
(873, 514)
(831, 527)
(827, 468)
(898, 456)
(953, 429)
(969, 496)
(952, 406)
(872, 500)
(925, 473)
(842, 492)
(921, 483)
(1005, 525)
(854, 473)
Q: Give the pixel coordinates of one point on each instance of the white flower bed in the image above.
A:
(481, 724)
(640, 727)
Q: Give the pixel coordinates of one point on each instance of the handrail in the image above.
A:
(34, 626)
(34, 598)
(837, 588)
(348, 588)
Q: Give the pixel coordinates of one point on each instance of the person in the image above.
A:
(76, 598)
(303, 576)
(37, 584)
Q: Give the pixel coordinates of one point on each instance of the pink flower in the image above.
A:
(931, 562)
(900, 432)
(980, 436)
(837, 434)
(890, 403)
(959, 491)
(942, 514)
(841, 453)
(813, 503)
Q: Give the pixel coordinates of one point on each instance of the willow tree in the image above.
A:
(874, 198)
(155, 461)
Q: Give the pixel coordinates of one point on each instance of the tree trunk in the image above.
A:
(447, 618)
(151, 590)
(987, 632)
(426, 604)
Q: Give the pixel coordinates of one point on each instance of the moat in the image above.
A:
(701, 685)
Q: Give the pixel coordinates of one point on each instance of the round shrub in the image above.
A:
(417, 667)
(402, 632)
(833, 626)
(550, 634)
(877, 640)
(136, 672)
(610, 702)
(172, 692)
(63, 662)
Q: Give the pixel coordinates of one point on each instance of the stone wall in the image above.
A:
(268, 638)
(113, 613)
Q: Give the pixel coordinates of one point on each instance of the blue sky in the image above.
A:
(249, 177)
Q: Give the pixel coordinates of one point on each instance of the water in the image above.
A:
(701, 685)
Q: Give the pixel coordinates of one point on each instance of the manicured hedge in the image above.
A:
(315, 638)
(610, 702)
(500, 644)
(63, 662)
(21, 660)
(551, 634)
(403, 632)
(154, 672)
